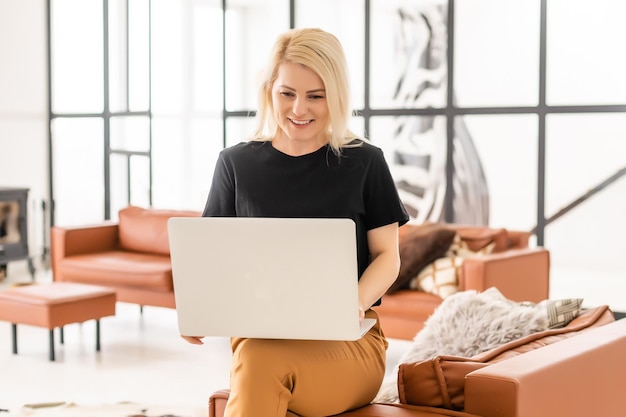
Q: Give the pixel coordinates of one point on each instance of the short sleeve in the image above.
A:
(382, 201)
(221, 199)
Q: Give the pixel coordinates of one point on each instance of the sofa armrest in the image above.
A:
(579, 376)
(217, 403)
(518, 239)
(78, 240)
(519, 274)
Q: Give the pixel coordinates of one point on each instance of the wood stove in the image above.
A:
(14, 228)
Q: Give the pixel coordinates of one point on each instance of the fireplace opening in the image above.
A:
(9, 222)
(14, 229)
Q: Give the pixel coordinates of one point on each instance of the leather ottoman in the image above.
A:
(55, 305)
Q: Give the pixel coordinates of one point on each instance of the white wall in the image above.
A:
(23, 109)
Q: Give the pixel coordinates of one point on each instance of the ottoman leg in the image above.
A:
(62, 335)
(52, 345)
(14, 337)
(97, 335)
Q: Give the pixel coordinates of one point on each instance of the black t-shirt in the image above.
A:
(253, 179)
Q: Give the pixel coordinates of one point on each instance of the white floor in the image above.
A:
(142, 360)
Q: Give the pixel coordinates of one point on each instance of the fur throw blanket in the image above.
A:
(465, 324)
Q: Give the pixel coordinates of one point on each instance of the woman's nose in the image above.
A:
(299, 106)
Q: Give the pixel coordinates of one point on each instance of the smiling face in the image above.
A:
(300, 108)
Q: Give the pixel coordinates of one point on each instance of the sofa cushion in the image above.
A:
(479, 237)
(145, 230)
(440, 381)
(119, 268)
(561, 312)
(442, 276)
(420, 245)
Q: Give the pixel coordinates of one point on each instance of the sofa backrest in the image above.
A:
(477, 237)
(145, 230)
(440, 381)
(420, 245)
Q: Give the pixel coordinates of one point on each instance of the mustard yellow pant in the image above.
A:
(278, 378)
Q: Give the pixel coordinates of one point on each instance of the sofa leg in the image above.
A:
(97, 335)
(14, 337)
(51, 337)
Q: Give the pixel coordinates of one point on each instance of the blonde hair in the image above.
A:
(322, 53)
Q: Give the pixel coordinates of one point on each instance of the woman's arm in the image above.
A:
(383, 268)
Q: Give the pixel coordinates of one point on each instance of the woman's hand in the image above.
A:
(194, 340)
(361, 314)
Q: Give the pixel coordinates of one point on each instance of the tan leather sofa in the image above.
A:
(575, 371)
(520, 273)
(131, 255)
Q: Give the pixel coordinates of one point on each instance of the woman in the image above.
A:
(305, 162)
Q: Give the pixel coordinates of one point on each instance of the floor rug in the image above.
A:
(123, 409)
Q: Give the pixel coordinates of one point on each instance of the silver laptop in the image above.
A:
(266, 277)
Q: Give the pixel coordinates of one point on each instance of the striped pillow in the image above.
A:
(561, 312)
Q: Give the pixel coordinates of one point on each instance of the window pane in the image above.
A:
(183, 158)
(129, 55)
(239, 129)
(415, 149)
(130, 133)
(206, 144)
(169, 56)
(206, 55)
(119, 183)
(118, 54)
(186, 56)
(585, 206)
(408, 54)
(77, 56)
(78, 170)
(248, 48)
(357, 125)
(139, 54)
(506, 152)
(139, 181)
(586, 62)
(581, 152)
(496, 53)
(332, 15)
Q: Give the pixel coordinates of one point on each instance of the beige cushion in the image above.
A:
(442, 276)
(420, 245)
(561, 312)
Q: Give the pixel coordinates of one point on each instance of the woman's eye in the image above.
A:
(316, 97)
(286, 94)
